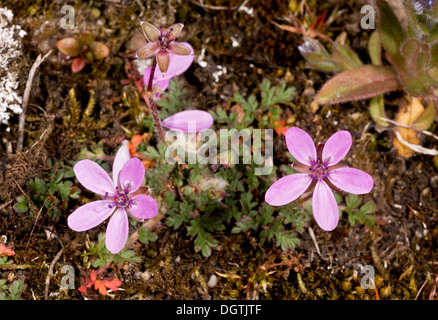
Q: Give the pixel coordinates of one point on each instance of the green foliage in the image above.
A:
(52, 192)
(99, 255)
(254, 109)
(5, 263)
(207, 202)
(360, 213)
(174, 99)
(273, 227)
(412, 58)
(411, 66)
(96, 154)
(13, 291)
(145, 236)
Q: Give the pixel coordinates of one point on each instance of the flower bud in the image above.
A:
(317, 56)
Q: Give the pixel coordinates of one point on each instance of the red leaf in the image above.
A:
(83, 289)
(280, 128)
(135, 141)
(112, 284)
(99, 285)
(5, 251)
(93, 276)
(78, 64)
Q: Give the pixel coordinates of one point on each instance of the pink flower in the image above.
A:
(118, 201)
(178, 66)
(189, 121)
(162, 43)
(319, 169)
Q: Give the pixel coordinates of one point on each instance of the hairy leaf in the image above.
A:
(346, 57)
(361, 83)
(391, 32)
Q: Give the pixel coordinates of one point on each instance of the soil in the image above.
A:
(325, 265)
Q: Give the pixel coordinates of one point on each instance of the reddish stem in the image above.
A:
(151, 103)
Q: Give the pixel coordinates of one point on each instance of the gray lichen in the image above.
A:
(10, 51)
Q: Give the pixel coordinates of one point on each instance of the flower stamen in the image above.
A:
(119, 199)
(164, 40)
(318, 170)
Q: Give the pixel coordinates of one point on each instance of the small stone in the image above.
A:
(212, 281)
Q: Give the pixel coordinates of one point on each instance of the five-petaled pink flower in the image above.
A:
(319, 169)
(162, 43)
(118, 199)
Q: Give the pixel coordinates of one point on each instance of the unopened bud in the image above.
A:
(309, 46)
(317, 56)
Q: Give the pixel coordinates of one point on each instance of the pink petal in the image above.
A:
(189, 121)
(287, 189)
(148, 50)
(180, 48)
(117, 231)
(336, 147)
(325, 208)
(122, 156)
(300, 145)
(174, 30)
(150, 31)
(178, 63)
(132, 175)
(351, 180)
(89, 215)
(163, 60)
(93, 177)
(143, 206)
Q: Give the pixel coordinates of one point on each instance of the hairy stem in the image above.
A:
(151, 103)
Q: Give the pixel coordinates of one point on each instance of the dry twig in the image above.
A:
(50, 273)
(26, 94)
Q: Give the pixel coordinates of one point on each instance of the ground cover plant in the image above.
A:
(218, 150)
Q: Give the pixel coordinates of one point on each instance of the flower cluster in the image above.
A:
(319, 169)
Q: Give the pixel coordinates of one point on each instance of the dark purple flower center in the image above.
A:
(164, 39)
(119, 199)
(318, 170)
